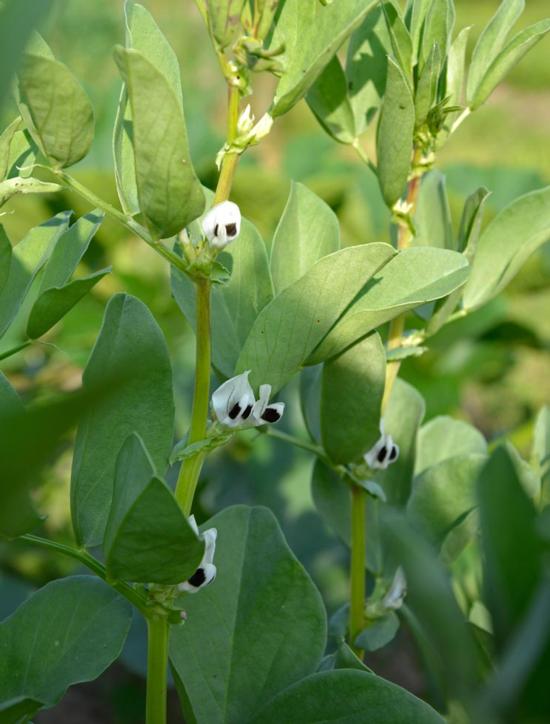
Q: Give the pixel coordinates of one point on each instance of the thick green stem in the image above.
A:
(157, 669)
(358, 565)
(191, 466)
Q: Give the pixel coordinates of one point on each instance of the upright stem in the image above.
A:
(157, 669)
(358, 565)
(191, 466)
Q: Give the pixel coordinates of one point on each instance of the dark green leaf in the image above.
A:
(55, 109)
(147, 538)
(5, 258)
(289, 328)
(328, 99)
(351, 398)
(131, 349)
(67, 632)
(541, 452)
(505, 245)
(308, 230)
(346, 696)
(394, 140)
(259, 627)
(379, 633)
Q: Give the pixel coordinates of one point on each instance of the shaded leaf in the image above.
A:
(444, 437)
(328, 99)
(541, 452)
(432, 219)
(379, 633)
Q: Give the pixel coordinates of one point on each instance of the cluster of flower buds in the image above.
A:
(383, 453)
(206, 572)
(222, 224)
(235, 404)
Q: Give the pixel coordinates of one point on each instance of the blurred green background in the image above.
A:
(491, 369)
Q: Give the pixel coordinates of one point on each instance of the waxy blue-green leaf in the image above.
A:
(308, 230)
(438, 28)
(394, 138)
(27, 259)
(131, 350)
(57, 295)
(443, 494)
(378, 633)
(332, 498)
(456, 72)
(147, 538)
(353, 697)
(507, 59)
(258, 628)
(505, 245)
(416, 15)
(541, 452)
(18, 18)
(412, 278)
(236, 304)
(512, 550)
(169, 192)
(311, 34)
(289, 328)
(444, 437)
(329, 100)
(224, 20)
(426, 90)
(400, 42)
(56, 110)
(402, 419)
(432, 220)
(68, 632)
(351, 398)
(492, 41)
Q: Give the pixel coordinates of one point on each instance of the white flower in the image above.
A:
(263, 412)
(222, 224)
(383, 452)
(235, 405)
(245, 122)
(261, 129)
(397, 591)
(206, 572)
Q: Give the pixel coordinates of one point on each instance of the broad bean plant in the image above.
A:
(229, 609)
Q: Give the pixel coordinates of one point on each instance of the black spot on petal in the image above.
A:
(382, 454)
(216, 229)
(246, 413)
(235, 411)
(198, 578)
(231, 229)
(271, 415)
(393, 453)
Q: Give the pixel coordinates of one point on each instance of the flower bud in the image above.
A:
(383, 453)
(222, 224)
(206, 572)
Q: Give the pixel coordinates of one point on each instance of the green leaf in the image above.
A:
(55, 109)
(258, 628)
(311, 34)
(394, 140)
(412, 278)
(399, 37)
(346, 696)
(235, 305)
(27, 259)
(6, 140)
(123, 157)
(56, 295)
(351, 398)
(68, 632)
(456, 72)
(417, 11)
(443, 495)
(402, 419)
(378, 633)
(224, 20)
(169, 192)
(444, 437)
(18, 185)
(5, 258)
(438, 27)
(147, 538)
(55, 303)
(328, 99)
(131, 349)
(332, 498)
(505, 245)
(308, 230)
(426, 91)
(492, 41)
(432, 220)
(18, 18)
(541, 452)
(512, 550)
(507, 59)
(289, 328)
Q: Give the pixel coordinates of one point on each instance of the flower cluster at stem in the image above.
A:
(236, 406)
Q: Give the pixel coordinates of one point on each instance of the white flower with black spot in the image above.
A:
(235, 404)
(206, 572)
(383, 453)
(222, 224)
